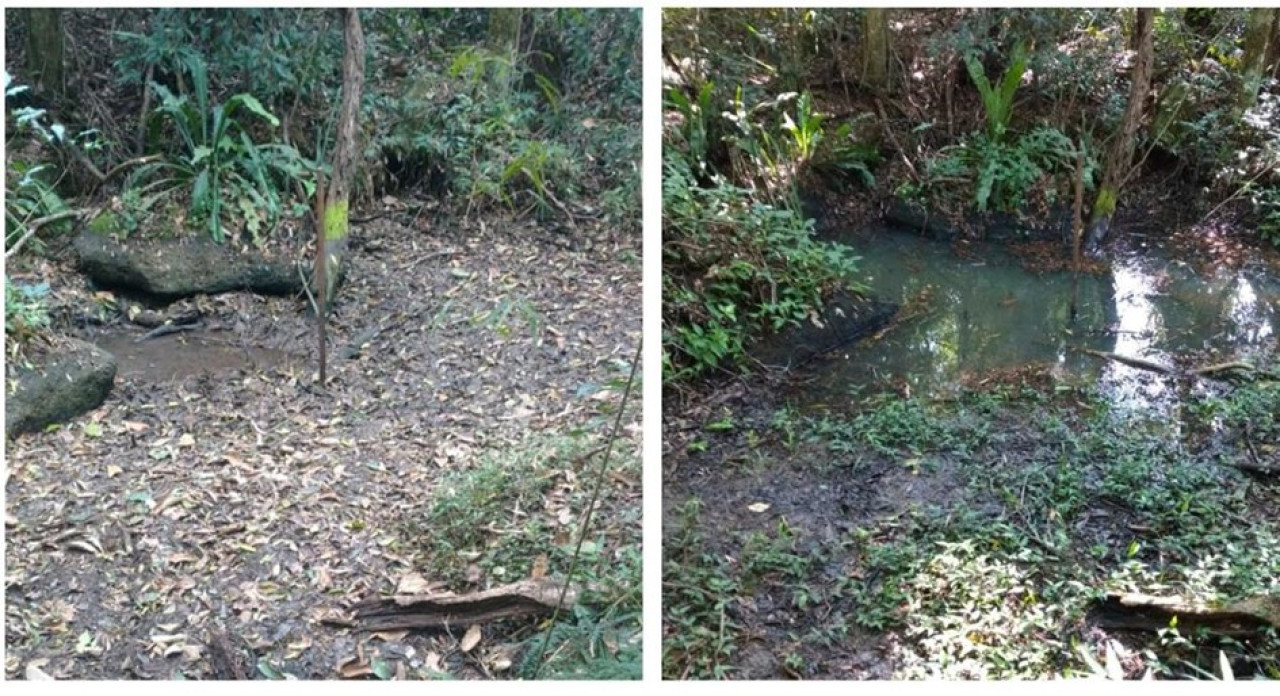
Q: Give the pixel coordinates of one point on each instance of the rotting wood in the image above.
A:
(1132, 611)
(225, 661)
(533, 597)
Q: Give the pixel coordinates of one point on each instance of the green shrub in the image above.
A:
(1002, 175)
(225, 173)
(25, 312)
(742, 267)
(30, 187)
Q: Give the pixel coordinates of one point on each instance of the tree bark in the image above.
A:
(44, 51)
(1273, 46)
(1120, 158)
(875, 48)
(1257, 42)
(336, 221)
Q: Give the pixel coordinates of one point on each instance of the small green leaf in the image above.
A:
(267, 670)
(381, 668)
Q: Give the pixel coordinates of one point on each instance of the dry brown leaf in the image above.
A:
(354, 668)
(35, 671)
(540, 565)
(471, 639)
(295, 649)
(414, 583)
(390, 636)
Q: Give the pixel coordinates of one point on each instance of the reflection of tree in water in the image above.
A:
(983, 316)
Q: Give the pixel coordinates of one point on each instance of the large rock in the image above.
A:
(171, 269)
(845, 318)
(68, 383)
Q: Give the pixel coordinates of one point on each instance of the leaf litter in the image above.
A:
(215, 524)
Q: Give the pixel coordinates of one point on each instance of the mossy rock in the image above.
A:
(68, 383)
(170, 269)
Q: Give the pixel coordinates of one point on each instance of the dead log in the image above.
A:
(1220, 371)
(1211, 370)
(533, 597)
(1130, 361)
(1129, 611)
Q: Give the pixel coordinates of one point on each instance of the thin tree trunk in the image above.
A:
(1273, 46)
(1120, 158)
(336, 222)
(44, 51)
(875, 48)
(504, 28)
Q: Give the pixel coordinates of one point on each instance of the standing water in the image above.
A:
(986, 313)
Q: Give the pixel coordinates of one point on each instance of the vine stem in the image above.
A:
(591, 506)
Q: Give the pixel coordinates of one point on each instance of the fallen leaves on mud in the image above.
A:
(251, 503)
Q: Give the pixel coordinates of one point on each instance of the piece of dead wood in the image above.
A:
(533, 597)
(226, 662)
(1130, 361)
(1210, 370)
(1219, 371)
(1131, 611)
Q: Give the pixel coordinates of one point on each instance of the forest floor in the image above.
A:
(217, 500)
(965, 536)
(959, 538)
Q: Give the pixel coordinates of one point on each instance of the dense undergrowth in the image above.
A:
(1003, 111)
(221, 120)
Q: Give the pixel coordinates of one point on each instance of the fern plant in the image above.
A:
(220, 162)
(998, 102)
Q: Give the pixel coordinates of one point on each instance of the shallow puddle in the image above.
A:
(182, 355)
(988, 313)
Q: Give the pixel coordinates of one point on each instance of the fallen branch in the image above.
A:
(533, 597)
(34, 225)
(1218, 371)
(166, 329)
(1210, 370)
(1130, 361)
(1141, 612)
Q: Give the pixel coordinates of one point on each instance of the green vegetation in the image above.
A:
(497, 519)
(765, 109)
(993, 579)
(739, 254)
(221, 169)
(239, 107)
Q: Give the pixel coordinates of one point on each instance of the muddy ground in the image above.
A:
(219, 492)
(823, 545)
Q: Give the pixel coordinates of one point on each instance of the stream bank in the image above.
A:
(973, 462)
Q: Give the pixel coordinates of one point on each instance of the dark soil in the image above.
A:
(757, 479)
(220, 502)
